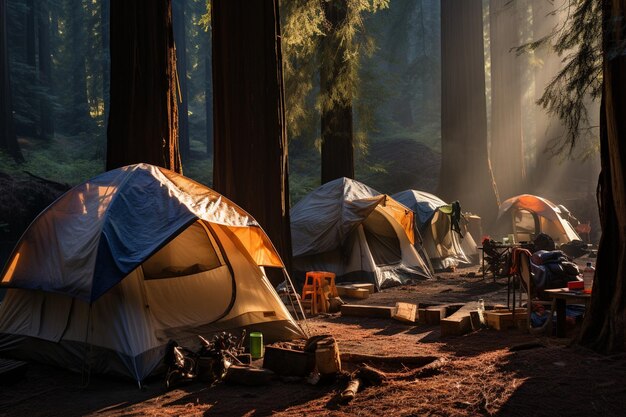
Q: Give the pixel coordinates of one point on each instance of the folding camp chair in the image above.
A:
(525, 278)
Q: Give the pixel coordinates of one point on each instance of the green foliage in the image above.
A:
(67, 159)
(304, 27)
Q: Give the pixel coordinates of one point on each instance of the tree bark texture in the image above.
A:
(507, 153)
(180, 35)
(31, 59)
(250, 140)
(105, 12)
(143, 115)
(336, 120)
(465, 169)
(605, 323)
(80, 104)
(8, 138)
(46, 118)
(208, 95)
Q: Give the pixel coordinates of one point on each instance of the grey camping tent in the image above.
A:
(130, 259)
(445, 248)
(356, 232)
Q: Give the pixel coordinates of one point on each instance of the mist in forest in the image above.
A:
(449, 109)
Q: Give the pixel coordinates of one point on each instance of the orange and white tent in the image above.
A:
(130, 259)
(528, 215)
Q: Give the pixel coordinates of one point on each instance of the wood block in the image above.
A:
(405, 312)
(475, 320)
(352, 291)
(288, 362)
(369, 287)
(247, 375)
(458, 323)
(421, 311)
(503, 319)
(367, 311)
(433, 315)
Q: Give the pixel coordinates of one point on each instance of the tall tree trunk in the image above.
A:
(79, 113)
(180, 35)
(465, 169)
(250, 145)
(31, 58)
(29, 127)
(336, 120)
(143, 117)
(401, 105)
(45, 70)
(208, 95)
(105, 12)
(605, 323)
(507, 153)
(8, 139)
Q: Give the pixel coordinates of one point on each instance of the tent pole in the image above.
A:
(293, 290)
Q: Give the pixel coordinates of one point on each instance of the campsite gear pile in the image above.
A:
(552, 269)
(210, 362)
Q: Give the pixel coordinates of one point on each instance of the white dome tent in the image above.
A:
(354, 231)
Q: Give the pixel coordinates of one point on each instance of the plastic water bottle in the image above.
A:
(588, 274)
(481, 311)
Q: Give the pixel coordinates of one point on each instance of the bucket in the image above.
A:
(256, 345)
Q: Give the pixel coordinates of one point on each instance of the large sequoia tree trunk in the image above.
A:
(605, 322)
(81, 119)
(180, 35)
(336, 122)
(45, 70)
(250, 140)
(465, 171)
(507, 152)
(143, 115)
(208, 96)
(8, 138)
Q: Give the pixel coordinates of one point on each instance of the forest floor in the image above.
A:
(483, 373)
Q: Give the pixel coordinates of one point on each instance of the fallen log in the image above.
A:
(370, 375)
(432, 369)
(349, 393)
(406, 360)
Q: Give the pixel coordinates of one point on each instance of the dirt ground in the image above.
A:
(487, 372)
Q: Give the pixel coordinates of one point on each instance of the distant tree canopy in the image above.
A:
(306, 25)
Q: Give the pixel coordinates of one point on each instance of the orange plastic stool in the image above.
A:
(313, 289)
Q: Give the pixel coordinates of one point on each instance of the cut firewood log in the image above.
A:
(349, 393)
